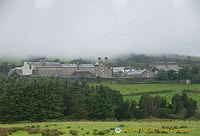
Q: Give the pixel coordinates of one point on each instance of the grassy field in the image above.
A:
(88, 128)
(168, 96)
(144, 88)
(134, 91)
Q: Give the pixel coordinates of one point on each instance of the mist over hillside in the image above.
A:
(77, 29)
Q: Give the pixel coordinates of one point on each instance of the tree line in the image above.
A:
(45, 98)
(183, 74)
(144, 61)
(5, 67)
(180, 107)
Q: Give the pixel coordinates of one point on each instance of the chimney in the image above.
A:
(106, 60)
(99, 60)
(78, 65)
(43, 61)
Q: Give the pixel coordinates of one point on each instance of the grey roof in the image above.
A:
(87, 65)
(172, 63)
(35, 63)
(59, 65)
(50, 66)
(175, 69)
(67, 66)
(80, 65)
(136, 72)
(46, 63)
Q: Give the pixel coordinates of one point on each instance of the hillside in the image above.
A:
(134, 91)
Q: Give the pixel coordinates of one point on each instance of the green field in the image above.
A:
(134, 91)
(87, 128)
(168, 96)
(126, 89)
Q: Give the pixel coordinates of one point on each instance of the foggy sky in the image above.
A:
(84, 28)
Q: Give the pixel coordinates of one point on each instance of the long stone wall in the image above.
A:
(59, 71)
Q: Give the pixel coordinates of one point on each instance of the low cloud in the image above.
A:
(77, 28)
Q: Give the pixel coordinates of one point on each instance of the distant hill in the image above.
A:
(144, 61)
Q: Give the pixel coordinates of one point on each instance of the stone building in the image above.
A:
(160, 65)
(45, 68)
(118, 71)
(144, 73)
(102, 69)
(167, 66)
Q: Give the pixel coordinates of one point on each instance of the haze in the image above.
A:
(85, 28)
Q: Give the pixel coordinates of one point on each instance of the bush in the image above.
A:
(8, 131)
(73, 132)
(112, 128)
(33, 131)
(53, 132)
(183, 126)
(102, 132)
(121, 125)
(46, 125)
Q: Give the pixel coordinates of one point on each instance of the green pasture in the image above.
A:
(134, 91)
(144, 88)
(168, 96)
(88, 127)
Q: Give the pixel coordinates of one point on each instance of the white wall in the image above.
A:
(26, 69)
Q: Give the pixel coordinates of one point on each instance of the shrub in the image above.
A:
(73, 132)
(102, 132)
(32, 131)
(112, 128)
(8, 131)
(53, 132)
(46, 125)
(183, 126)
